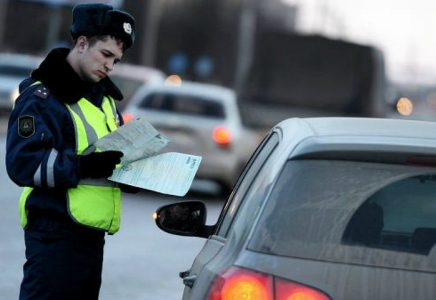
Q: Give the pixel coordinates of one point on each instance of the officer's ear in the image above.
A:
(82, 43)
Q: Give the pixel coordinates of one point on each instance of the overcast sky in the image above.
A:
(404, 29)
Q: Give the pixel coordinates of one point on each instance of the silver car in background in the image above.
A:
(14, 68)
(200, 119)
(129, 78)
(326, 209)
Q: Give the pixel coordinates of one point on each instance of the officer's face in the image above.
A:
(98, 60)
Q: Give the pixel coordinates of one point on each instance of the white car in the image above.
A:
(14, 68)
(129, 78)
(200, 119)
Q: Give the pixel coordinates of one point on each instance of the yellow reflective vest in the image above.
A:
(94, 203)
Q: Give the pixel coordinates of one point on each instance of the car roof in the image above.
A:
(138, 72)
(366, 139)
(194, 88)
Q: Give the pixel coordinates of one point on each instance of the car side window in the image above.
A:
(253, 168)
(399, 217)
(184, 104)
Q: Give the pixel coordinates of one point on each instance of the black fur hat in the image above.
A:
(98, 18)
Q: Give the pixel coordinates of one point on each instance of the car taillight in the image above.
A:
(222, 135)
(242, 284)
(286, 290)
(127, 117)
(237, 283)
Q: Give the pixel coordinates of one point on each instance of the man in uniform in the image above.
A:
(68, 204)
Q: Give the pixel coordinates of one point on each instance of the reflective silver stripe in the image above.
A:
(88, 150)
(91, 135)
(97, 182)
(114, 108)
(37, 177)
(102, 105)
(50, 168)
(75, 129)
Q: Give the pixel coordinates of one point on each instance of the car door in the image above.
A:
(216, 242)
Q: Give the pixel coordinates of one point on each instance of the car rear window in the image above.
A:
(184, 104)
(128, 85)
(352, 212)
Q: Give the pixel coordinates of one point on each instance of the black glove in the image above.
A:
(129, 189)
(100, 164)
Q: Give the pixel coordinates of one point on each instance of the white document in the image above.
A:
(169, 173)
(137, 139)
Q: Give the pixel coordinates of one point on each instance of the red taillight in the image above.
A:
(127, 117)
(222, 135)
(236, 283)
(286, 290)
(241, 284)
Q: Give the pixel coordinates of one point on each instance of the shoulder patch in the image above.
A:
(26, 126)
(42, 92)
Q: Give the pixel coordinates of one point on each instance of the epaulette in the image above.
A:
(42, 92)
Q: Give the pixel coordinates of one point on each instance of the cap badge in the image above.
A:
(127, 28)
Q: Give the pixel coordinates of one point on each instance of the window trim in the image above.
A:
(237, 198)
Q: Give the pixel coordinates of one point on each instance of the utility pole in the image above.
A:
(3, 12)
(154, 15)
(54, 26)
(246, 40)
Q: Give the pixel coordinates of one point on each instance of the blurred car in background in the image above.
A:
(200, 119)
(14, 68)
(326, 209)
(129, 78)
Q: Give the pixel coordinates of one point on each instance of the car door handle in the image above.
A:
(189, 280)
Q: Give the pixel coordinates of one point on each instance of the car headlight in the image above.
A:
(14, 95)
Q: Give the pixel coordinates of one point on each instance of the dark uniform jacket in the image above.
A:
(39, 124)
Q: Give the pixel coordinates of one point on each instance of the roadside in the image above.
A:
(3, 124)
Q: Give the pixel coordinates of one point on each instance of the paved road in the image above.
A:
(3, 125)
(141, 262)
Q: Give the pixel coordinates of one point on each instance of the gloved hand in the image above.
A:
(99, 164)
(129, 189)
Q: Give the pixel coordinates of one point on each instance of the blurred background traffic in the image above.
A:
(282, 57)
(279, 58)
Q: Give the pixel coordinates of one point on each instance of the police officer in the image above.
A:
(68, 204)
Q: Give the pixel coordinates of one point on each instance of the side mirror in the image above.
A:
(186, 218)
